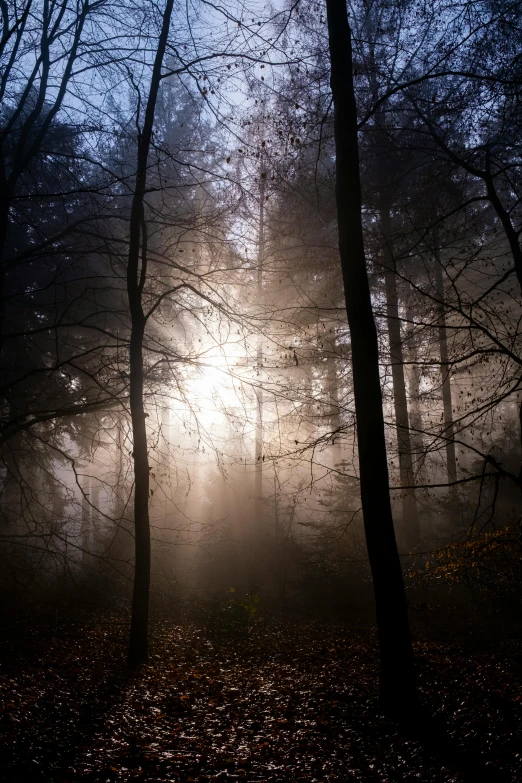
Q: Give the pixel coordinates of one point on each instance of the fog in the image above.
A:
(260, 313)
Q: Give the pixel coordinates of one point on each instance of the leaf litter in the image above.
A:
(285, 702)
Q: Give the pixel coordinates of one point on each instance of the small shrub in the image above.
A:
(230, 616)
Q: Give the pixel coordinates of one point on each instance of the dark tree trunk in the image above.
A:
(258, 482)
(86, 519)
(416, 426)
(333, 407)
(447, 409)
(136, 277)
(257, 534)
(397, 678)
(138, 645)
(4, 230)
(410, 533)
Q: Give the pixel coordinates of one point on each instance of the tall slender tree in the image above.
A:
(397, 674)
(136, 277)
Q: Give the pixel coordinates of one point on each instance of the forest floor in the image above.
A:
(287, 702)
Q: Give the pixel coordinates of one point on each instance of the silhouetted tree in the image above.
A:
(397, 685)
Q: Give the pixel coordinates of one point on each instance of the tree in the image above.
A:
(136, 277)
(397, 683)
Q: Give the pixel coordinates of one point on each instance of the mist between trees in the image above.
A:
(177, 363)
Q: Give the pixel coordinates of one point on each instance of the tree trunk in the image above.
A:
(257, 528)
(138, 644)
(333, 407)
(86, 518)
(410, 537)
(451, 461)
(258, 484)
(136, 277)
(417, 441)
(397, 672)
(4, 229)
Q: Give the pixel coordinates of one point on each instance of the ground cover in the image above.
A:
(283, 702)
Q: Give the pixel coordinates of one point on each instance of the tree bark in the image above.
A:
(410, 517)
(258, 482)
(333, 407)
(136, 278)
(257, 532)
(86, 518)
(417, 441)
(447, 409)
(397, 671)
